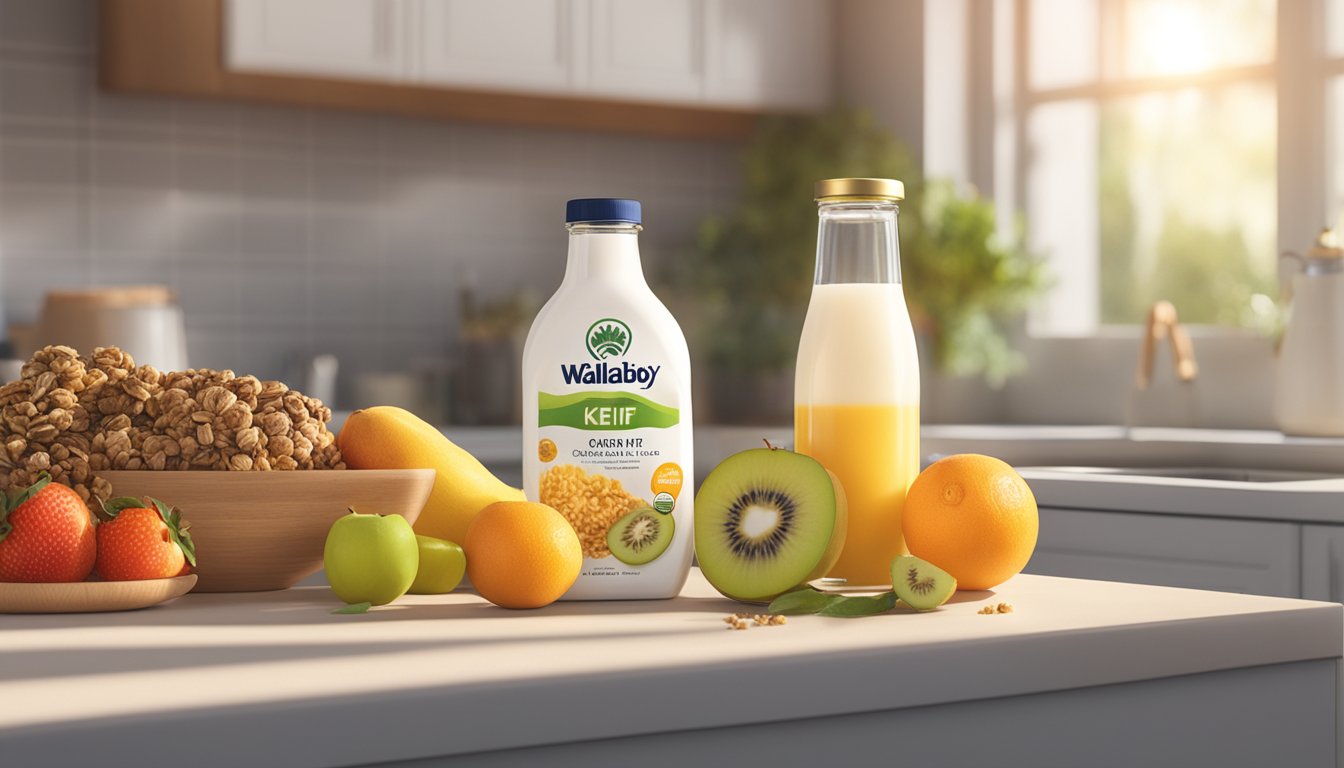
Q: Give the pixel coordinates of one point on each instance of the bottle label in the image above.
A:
(603, 411)
(607, 446)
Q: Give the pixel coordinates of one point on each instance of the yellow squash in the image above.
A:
(394, 438)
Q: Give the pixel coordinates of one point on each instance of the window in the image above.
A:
(1332, 70)
(1152, 138)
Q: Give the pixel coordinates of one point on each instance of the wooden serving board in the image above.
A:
(91, 596)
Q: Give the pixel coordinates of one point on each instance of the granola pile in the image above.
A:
(74, 416)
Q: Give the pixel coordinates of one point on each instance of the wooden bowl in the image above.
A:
(257, 531)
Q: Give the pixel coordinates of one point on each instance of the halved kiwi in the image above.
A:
(921, 584)
(640, 537)
(767, 520)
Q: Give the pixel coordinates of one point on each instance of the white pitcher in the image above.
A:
(1309, 396)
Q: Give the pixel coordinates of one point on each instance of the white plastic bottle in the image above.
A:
(607, 412)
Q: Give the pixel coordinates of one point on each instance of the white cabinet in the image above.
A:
(521, 45)
(1245, 556)
(648, 50)
(361, 39)
(742, 54)
(1323, 562)
(775, 52)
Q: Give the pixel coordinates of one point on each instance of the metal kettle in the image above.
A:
(1309, 391)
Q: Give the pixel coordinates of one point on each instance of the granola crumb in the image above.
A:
(990, 610)
(746, 620)
(1005, 607)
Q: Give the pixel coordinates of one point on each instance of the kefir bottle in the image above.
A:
(856, 392)
(607, 412)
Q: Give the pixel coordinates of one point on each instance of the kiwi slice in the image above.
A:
(921, 584)
(767, 520)
(640, 537)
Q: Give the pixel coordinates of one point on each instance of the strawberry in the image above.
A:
(46, 534)
(143, 539)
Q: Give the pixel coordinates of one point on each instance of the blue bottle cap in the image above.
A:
(603, 209)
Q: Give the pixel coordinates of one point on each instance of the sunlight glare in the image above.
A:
(1168, 39)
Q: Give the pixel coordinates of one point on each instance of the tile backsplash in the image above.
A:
(292, 231)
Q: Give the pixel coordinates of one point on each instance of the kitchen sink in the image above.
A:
(1246, 457)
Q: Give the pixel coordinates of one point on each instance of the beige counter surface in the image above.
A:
(274, 678)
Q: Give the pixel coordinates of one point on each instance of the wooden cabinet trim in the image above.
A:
(176, 47)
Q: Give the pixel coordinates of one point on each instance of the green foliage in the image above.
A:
(753, 270)
(963, 282)
(1206, 273)
(1120, 303)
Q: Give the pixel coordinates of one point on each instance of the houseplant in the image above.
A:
(752, 269)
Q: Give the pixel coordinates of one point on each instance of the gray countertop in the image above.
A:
(1031, 446)
(275, 679)
(1018, 444)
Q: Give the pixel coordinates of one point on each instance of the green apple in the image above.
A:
(370, 558)
(442, 564)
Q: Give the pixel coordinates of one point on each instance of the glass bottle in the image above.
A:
(856, 393)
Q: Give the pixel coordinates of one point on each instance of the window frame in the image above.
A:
(1301, 73)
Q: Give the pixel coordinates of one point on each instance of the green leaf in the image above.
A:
(43, 480)
(863, 605)
(177, 528)
(354, 608)
(113, 507)
(802, 601)
(12, 503)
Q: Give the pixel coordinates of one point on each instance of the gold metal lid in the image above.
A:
(860, 189)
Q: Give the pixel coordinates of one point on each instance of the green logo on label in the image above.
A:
(608, 337)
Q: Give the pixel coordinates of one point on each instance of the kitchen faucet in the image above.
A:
(1162, 321)
(1149, 406)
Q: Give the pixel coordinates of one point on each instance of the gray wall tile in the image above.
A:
(27, 275)
(289, 232)
(58, 24)
(132, 166)
(42, 161)
(43, 219)
(134, 224)
(44, 91)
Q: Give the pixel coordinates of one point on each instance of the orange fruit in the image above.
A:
(974, 517)
(521, 554)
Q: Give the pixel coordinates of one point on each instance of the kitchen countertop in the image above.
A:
(274, 678)
(1018, 444)
(1117, 446)
(1300, 501)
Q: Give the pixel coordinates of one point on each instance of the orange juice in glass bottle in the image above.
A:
(856, 392)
